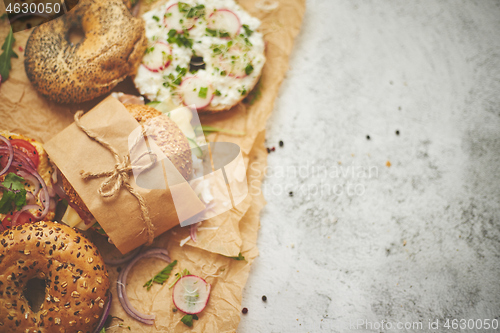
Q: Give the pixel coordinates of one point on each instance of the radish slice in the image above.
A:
(175, 19)
(191, 294)
(197, 91)
(158, 57)
(224, 20)
(233, 62)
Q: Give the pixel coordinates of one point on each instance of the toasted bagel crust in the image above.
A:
(111, 50)
(77, 283)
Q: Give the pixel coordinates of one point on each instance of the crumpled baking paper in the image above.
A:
(23, 110)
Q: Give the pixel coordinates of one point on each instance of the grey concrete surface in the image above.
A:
(363, 243)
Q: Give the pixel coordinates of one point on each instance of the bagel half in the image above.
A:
(111, 50)
(76, 279)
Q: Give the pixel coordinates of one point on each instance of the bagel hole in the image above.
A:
(196, 64)
(35, 293)
(75, 35)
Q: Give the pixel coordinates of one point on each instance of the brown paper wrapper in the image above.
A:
(23, 110)
(120, 215)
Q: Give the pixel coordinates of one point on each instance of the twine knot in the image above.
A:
(118, 177)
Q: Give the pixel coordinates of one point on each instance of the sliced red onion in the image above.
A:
(193, 230)
(10, 150)
(135, 9)
(20, 157)
(122, 285)
(44, 194)
(52, 192)
(105, 315)
(60, 191)
(30, 178)
(52, 204)
(24, 209)
(30, 198)
(124, 259)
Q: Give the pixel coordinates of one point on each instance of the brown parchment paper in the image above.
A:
(73, 151)
(23, 110)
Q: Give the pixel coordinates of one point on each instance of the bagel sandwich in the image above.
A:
(170, 139)
(26, 193)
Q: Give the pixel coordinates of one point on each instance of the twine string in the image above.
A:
(119, 177)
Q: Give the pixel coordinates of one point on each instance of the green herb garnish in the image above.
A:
(217, 33)
(175, 80)
(153, 103)
(178, 276)
(209, 129)
(188, 320)
(13, 182)
(180, 39)
(12, 200)
(248, 69)
(203, 92)
(217, 93)
(156, 18)
(183, 7)
(239, 257)
(196, 11)
(248, 32)
(14, 194)
(161, 277)
(8, 52)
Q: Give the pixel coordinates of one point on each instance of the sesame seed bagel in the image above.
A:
(168, 137)
(76, 279)
(111, 50)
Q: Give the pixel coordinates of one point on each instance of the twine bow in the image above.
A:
(118, 176)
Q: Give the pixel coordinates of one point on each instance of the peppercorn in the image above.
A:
(290, 194)
(367, 137)
(281, 143)
(264, 298)
(244, 311)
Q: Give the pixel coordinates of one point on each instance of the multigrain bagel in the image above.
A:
(111, 50)
(76, 279)
(169, 139)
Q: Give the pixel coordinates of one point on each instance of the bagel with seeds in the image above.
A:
(112, 47)
(76, 279)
